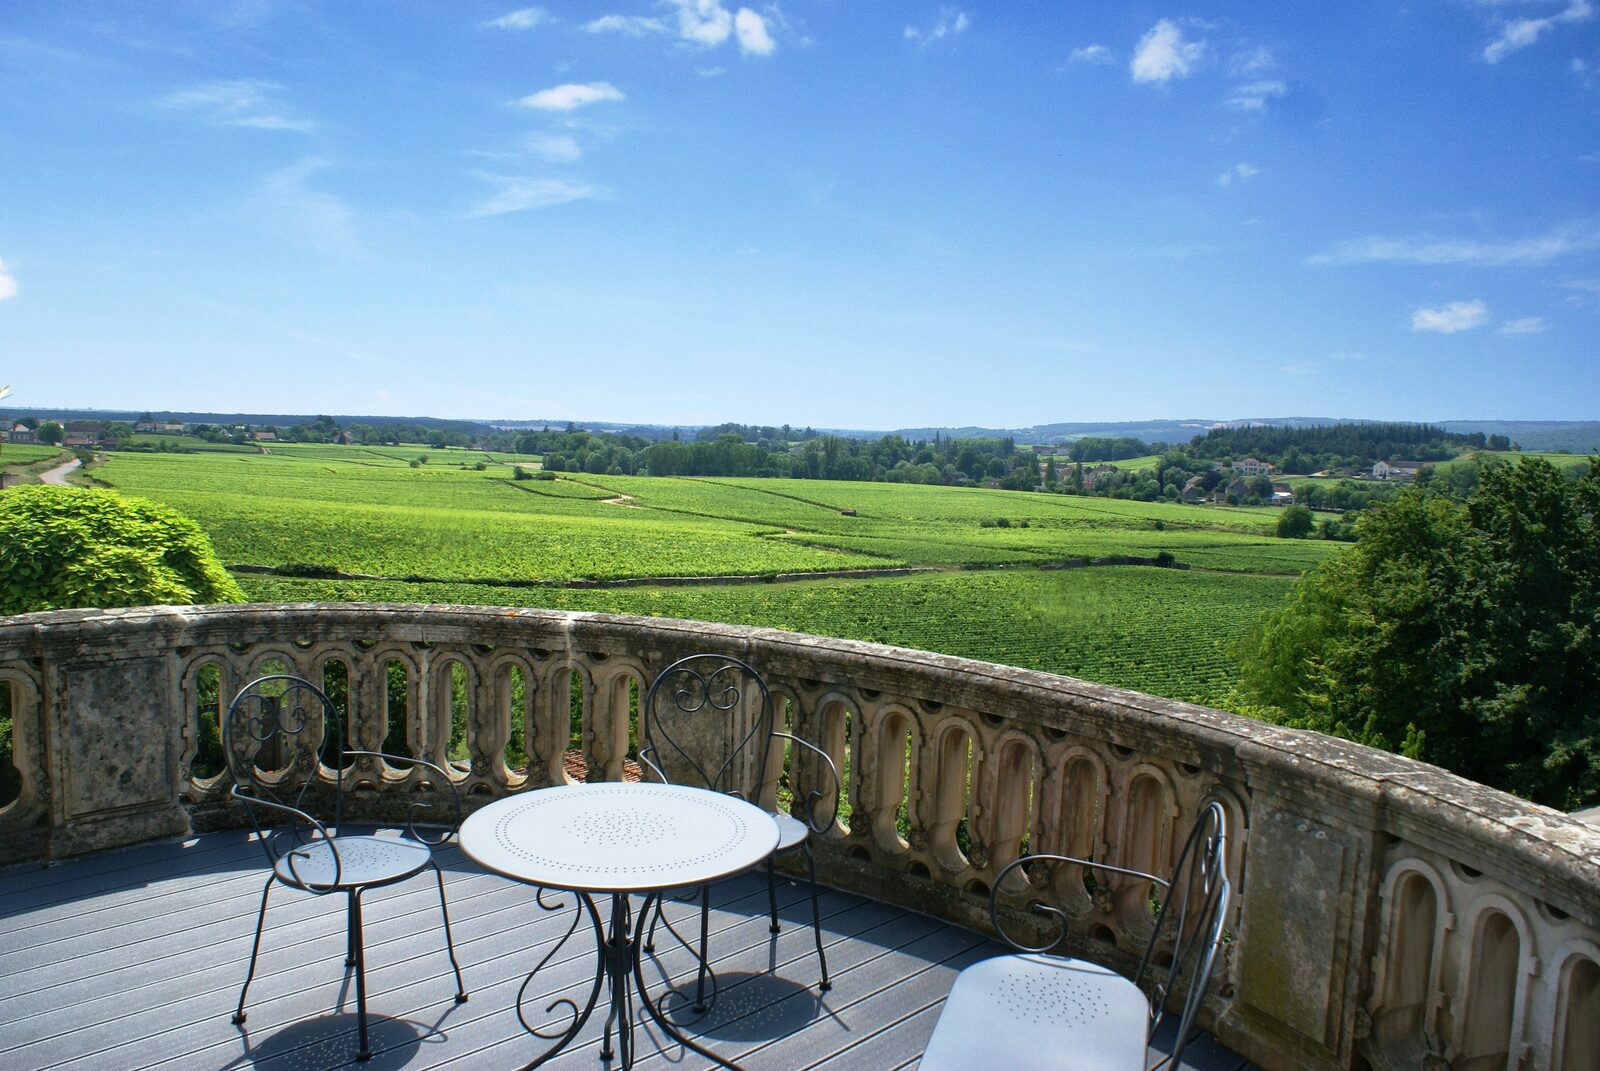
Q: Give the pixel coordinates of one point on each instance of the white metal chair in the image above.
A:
(708, 720)
(1036, 1009)
(286, 751)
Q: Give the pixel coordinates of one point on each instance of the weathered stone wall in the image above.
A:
(1388, 912)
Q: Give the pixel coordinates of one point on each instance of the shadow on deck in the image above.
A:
(133, 959)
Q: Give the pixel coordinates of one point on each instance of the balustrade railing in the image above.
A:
(1388, 913)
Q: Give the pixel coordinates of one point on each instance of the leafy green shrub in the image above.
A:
(65, 547)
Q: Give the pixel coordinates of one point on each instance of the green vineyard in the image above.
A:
(994, 575)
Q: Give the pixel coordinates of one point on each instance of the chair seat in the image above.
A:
(362, 861)
(791, 831)
(1040, 1011)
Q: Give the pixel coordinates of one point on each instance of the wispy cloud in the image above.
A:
(8, 282)
(1349, 355)
(952, 22)
(518, 193)
(751, 29)
(290, 205)
(1253, 96)
(1540, 249)
(626, 25)
(1448, 319)
(522, 19)
(241, 103)
(1163, 54)
(1518, 34)
(1239, 172)
(1295, 369)
(1097, 54)
(556, 148)
(572, 95)
(1527, 325)
(1252, 61)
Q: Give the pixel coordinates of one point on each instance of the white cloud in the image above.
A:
(710, 72)
(522, 19)
(519, 193)
(8, 282)
(1163, 54)
(1091, 54)
(1448, 319)
(703, 22)
(1238, 172)
(1591, 286)
(952, 22)
(1518, 34)
(1349, 355)
(565, 98)
(627, 25)
(1527, 325)
(240, 102)
(754, 40)
(557, 148)
(1539, 249)
(1253, 96)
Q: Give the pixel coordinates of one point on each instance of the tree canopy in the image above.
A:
(66, 547)
(1463, 634)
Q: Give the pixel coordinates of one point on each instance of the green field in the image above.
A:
(383, 525)
(26, 453)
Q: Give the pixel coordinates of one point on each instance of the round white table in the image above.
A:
(617, 838)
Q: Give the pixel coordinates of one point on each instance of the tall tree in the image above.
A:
(1467, 635)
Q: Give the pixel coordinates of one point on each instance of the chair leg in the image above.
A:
(705, 938)
(816, 914)
(255, 949)
(350, 932)
(449, 944)
(365, 1052)
(772, 897)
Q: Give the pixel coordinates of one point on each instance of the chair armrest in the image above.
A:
(267, 842)
(817, 796)
(441, 774)
(1049, 909)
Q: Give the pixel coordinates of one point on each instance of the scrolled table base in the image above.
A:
(619, 962)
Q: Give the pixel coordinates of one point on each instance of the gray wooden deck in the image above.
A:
(133, 959)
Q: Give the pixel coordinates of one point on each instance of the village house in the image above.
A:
(1282, 494)
(1251, 467)
(1396, 470)
(21, 433)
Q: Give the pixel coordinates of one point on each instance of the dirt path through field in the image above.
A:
(620, 500)
(58, 475)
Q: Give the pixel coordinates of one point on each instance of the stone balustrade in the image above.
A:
(1389, 914)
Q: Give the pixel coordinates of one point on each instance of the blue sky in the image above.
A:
(833, 212)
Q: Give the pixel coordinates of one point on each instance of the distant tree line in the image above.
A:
(1306, 450)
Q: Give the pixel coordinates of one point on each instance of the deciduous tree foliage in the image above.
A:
(65, 547)
(1464, 634)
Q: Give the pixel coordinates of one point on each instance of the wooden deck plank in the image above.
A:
(133, 959)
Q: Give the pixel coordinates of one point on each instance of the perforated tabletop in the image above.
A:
(618, 837)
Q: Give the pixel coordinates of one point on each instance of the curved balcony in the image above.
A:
(1388, 911)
